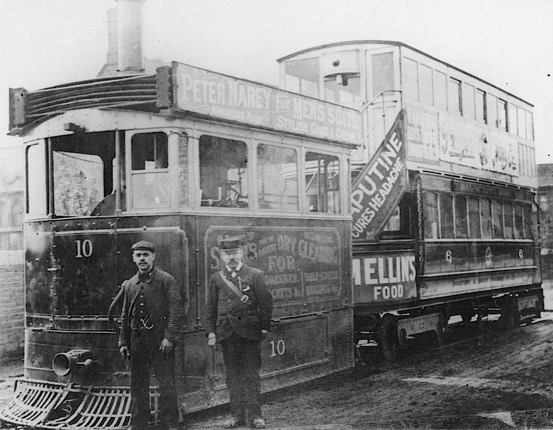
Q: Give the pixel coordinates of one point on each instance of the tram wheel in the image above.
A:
(388, 340)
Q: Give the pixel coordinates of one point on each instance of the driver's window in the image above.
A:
(223, 172)
(150, 170)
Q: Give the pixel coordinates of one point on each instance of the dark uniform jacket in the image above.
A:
(163, 300)
(226, 313)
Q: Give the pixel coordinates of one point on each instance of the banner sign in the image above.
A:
(379, 186)
(433, 137)
(384, 278)
(220, 96)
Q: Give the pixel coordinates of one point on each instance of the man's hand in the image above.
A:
(124, 350)
(166, 346)
(212, 339)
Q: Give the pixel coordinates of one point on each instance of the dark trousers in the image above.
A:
(145, 354)
(242, 359)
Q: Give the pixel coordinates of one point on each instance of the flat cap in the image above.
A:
(143, 245)
(231, 243)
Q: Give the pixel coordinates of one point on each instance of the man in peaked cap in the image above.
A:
(238, 314)
(151, 319)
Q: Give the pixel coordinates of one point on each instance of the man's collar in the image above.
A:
(229, 270)
(146, 277)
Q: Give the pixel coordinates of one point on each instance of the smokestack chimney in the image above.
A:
(112, 57)
(129, 35)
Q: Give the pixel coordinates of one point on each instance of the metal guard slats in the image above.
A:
(137, 91)
(48, 405)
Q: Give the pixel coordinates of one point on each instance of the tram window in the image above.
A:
(486, 217)
(322, 189)
(36, 180)
(468, 101)
(492, 111)
(410, 80)
(346, 91)
(474, 218)
(502, 115)
(461, 227)
(446, 216)
(454, 92)
(480, 105)
(426, 94)
(522, 132)
(512, 118)
(497, 219)
(440, 91)
(519, 221)
(223, 172)
(184, 182)
(150, 170)
(430, 207)
(302, 76)
(508, 218)
(277, 178)
(528, 231)
(382, 72)
(529, 125)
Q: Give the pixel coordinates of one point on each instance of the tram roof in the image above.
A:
(400, 45)
(181, 89)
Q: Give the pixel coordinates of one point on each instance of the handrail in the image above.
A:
(380, 94)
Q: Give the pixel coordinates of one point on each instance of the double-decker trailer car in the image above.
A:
(444, 191)
(181, 158)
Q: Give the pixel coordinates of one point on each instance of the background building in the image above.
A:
(12, 302)
(545, 195)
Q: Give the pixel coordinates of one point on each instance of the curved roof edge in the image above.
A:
(400, 44)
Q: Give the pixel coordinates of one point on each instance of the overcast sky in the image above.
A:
(506, 42)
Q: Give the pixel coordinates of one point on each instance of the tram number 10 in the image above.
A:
(84, 248)
(277, 347)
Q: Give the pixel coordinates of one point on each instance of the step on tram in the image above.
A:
(380, 190)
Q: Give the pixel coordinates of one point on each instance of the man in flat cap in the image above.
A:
(151, 319)
(238, 314)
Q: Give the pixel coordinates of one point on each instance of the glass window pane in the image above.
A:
(521, 122)
(36, 180)
(480, 106)
(382, 72)
(303, 76)
(454, 93)
(461, 227)
(468, 101)
(223, 172)
(512, 120)
(348, 92)
(446, 216)
(519, 222)
(492, 111)
(410, 80)
(322, 188)
(502, 114)
(184, 182)
(486, 216)
(528, 220)
(440, 92)
(474, 218)
(497, 218)
(78, 183)
(277, 178)
(426, 95)
(508, 220)
(430, 207)
(150, 174)
(529, 125)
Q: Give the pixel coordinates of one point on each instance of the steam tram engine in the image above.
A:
(181, 158)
